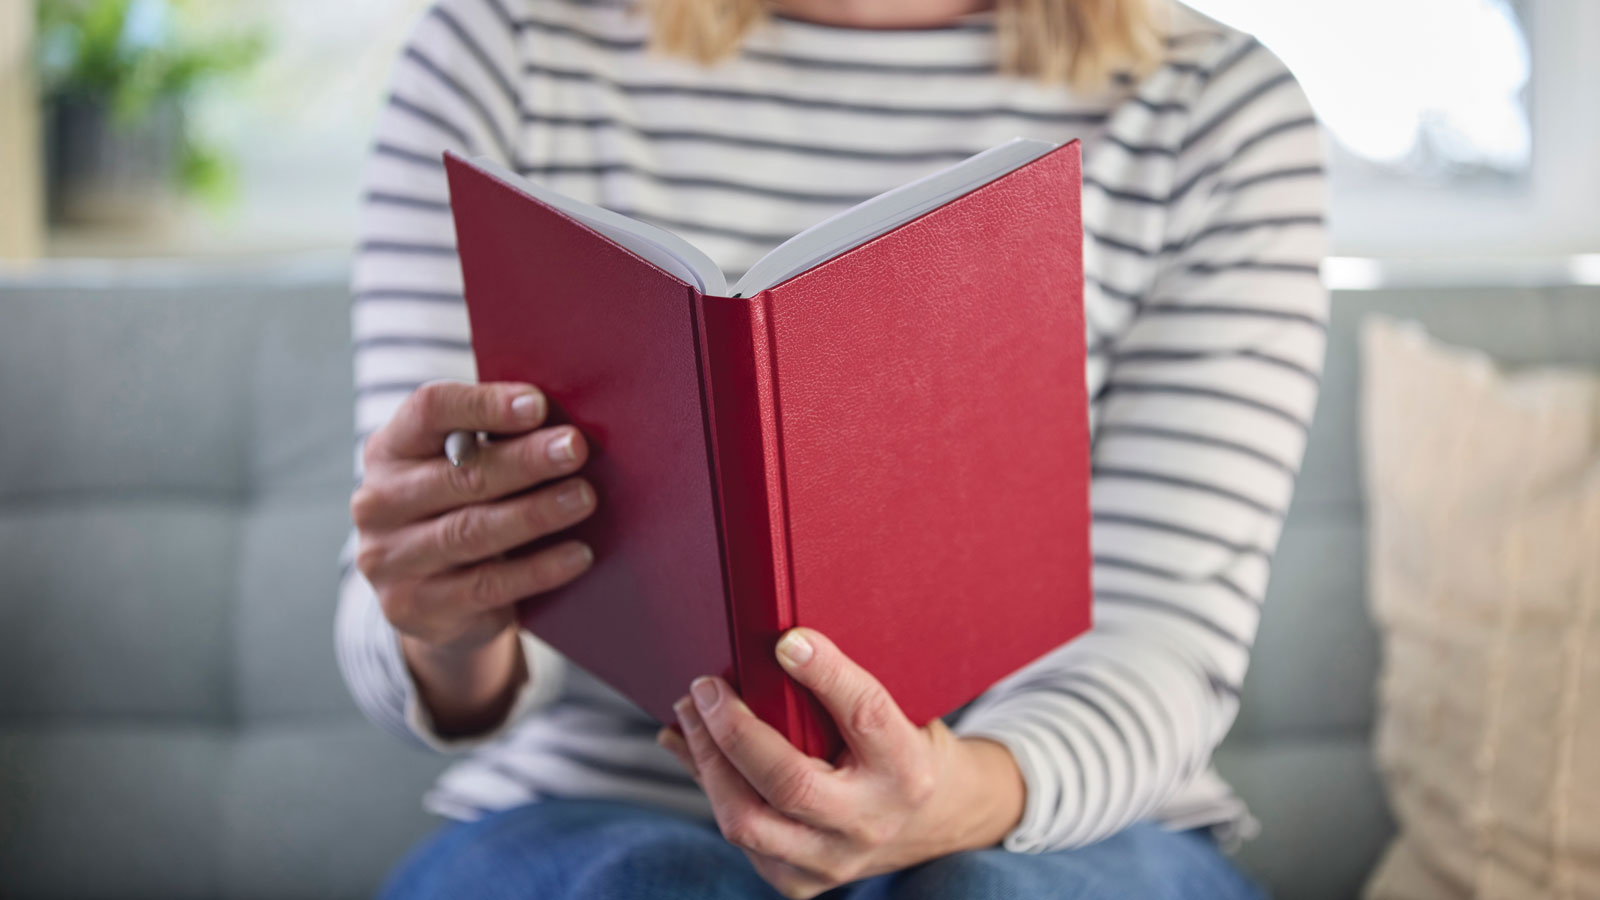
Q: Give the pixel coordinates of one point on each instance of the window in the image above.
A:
(1431, 89)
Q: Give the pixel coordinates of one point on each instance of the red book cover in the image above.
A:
(891, 447)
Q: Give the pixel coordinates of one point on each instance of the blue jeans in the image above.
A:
(608, 850)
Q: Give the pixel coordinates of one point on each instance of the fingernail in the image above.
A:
(561, 449)
(526, 406)
(794, 649)
(706, 693)
(573, 496)
(684, 710)
(579, 555)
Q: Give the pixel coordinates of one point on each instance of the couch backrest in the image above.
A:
(175, 462)
(174, 471)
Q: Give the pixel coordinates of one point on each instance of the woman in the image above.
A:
(737, 125)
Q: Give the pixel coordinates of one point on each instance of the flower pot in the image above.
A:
(104, 171)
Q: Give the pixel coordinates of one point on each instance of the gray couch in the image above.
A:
(174, 466)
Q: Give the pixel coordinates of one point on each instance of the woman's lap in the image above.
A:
(581, 849)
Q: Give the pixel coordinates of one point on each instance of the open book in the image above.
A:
(882, 433)
(824, 240)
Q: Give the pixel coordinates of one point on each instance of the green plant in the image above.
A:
(131, 55)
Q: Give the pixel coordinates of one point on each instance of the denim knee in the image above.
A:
(575, 850)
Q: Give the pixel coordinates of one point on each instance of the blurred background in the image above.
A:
(178, 186)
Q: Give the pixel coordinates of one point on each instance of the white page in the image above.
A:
(886, 212)
(822, 241)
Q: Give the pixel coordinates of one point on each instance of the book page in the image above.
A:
(822, 241)
(886, 212)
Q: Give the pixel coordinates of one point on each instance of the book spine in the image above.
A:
(746, 460)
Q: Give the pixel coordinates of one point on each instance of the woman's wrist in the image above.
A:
(989, 794)
(467, 691)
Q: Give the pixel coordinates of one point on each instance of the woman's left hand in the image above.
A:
(898, 795)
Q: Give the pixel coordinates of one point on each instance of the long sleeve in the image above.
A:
(1202, 401)
(452, 88)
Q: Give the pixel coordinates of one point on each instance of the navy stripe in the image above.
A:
(1111, 518)
(431, 160)
(1144, 568)
(1253, 265)
(693, 181)
(1189, 390)
(798, 102)
(1090, 680)
(406, 248)
(1111, 723)
(1284, 127)
(1273, 175)
(387, 387)
(1107, 430)
(1160, 355)
(690, 135)
(463, 142)
(1244, 225)
(406, 294)
(507, 90)
(1136, 679)
(455, 87)
(1229, 111)
(1177, 308)
(1238, 227)
(423, 203)
(1204, 487)
(1124, 598)
(1245, 51)
(384, 342)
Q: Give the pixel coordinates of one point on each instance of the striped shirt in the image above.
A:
(1203, 207)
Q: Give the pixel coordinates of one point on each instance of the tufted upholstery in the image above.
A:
(174, 468)
(174, 465)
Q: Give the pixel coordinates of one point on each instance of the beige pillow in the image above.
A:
(1483, 498)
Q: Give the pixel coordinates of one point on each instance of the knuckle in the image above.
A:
(399, 605)
(795, 791)
(366, 504)
(485, 585)
(370, 457)
(371, 555)
(539, 513)
(469, 482)
(739, 829)
(918, 784)
(732, 738)
(871, 713)
(462, 532)
(428, 403)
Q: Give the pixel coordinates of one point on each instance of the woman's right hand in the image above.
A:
(435, 539)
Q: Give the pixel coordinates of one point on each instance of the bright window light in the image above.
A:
(1424, 87)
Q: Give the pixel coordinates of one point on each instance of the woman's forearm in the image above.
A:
(467, 692)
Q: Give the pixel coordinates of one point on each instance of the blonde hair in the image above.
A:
(1083, 43)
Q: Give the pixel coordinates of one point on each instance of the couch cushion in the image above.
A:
(1484, 492)
(119, 607)
(111, 811)
(287, 590)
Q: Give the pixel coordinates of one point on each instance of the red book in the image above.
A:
(885, 439)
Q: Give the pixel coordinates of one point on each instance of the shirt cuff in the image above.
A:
(544, 671)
